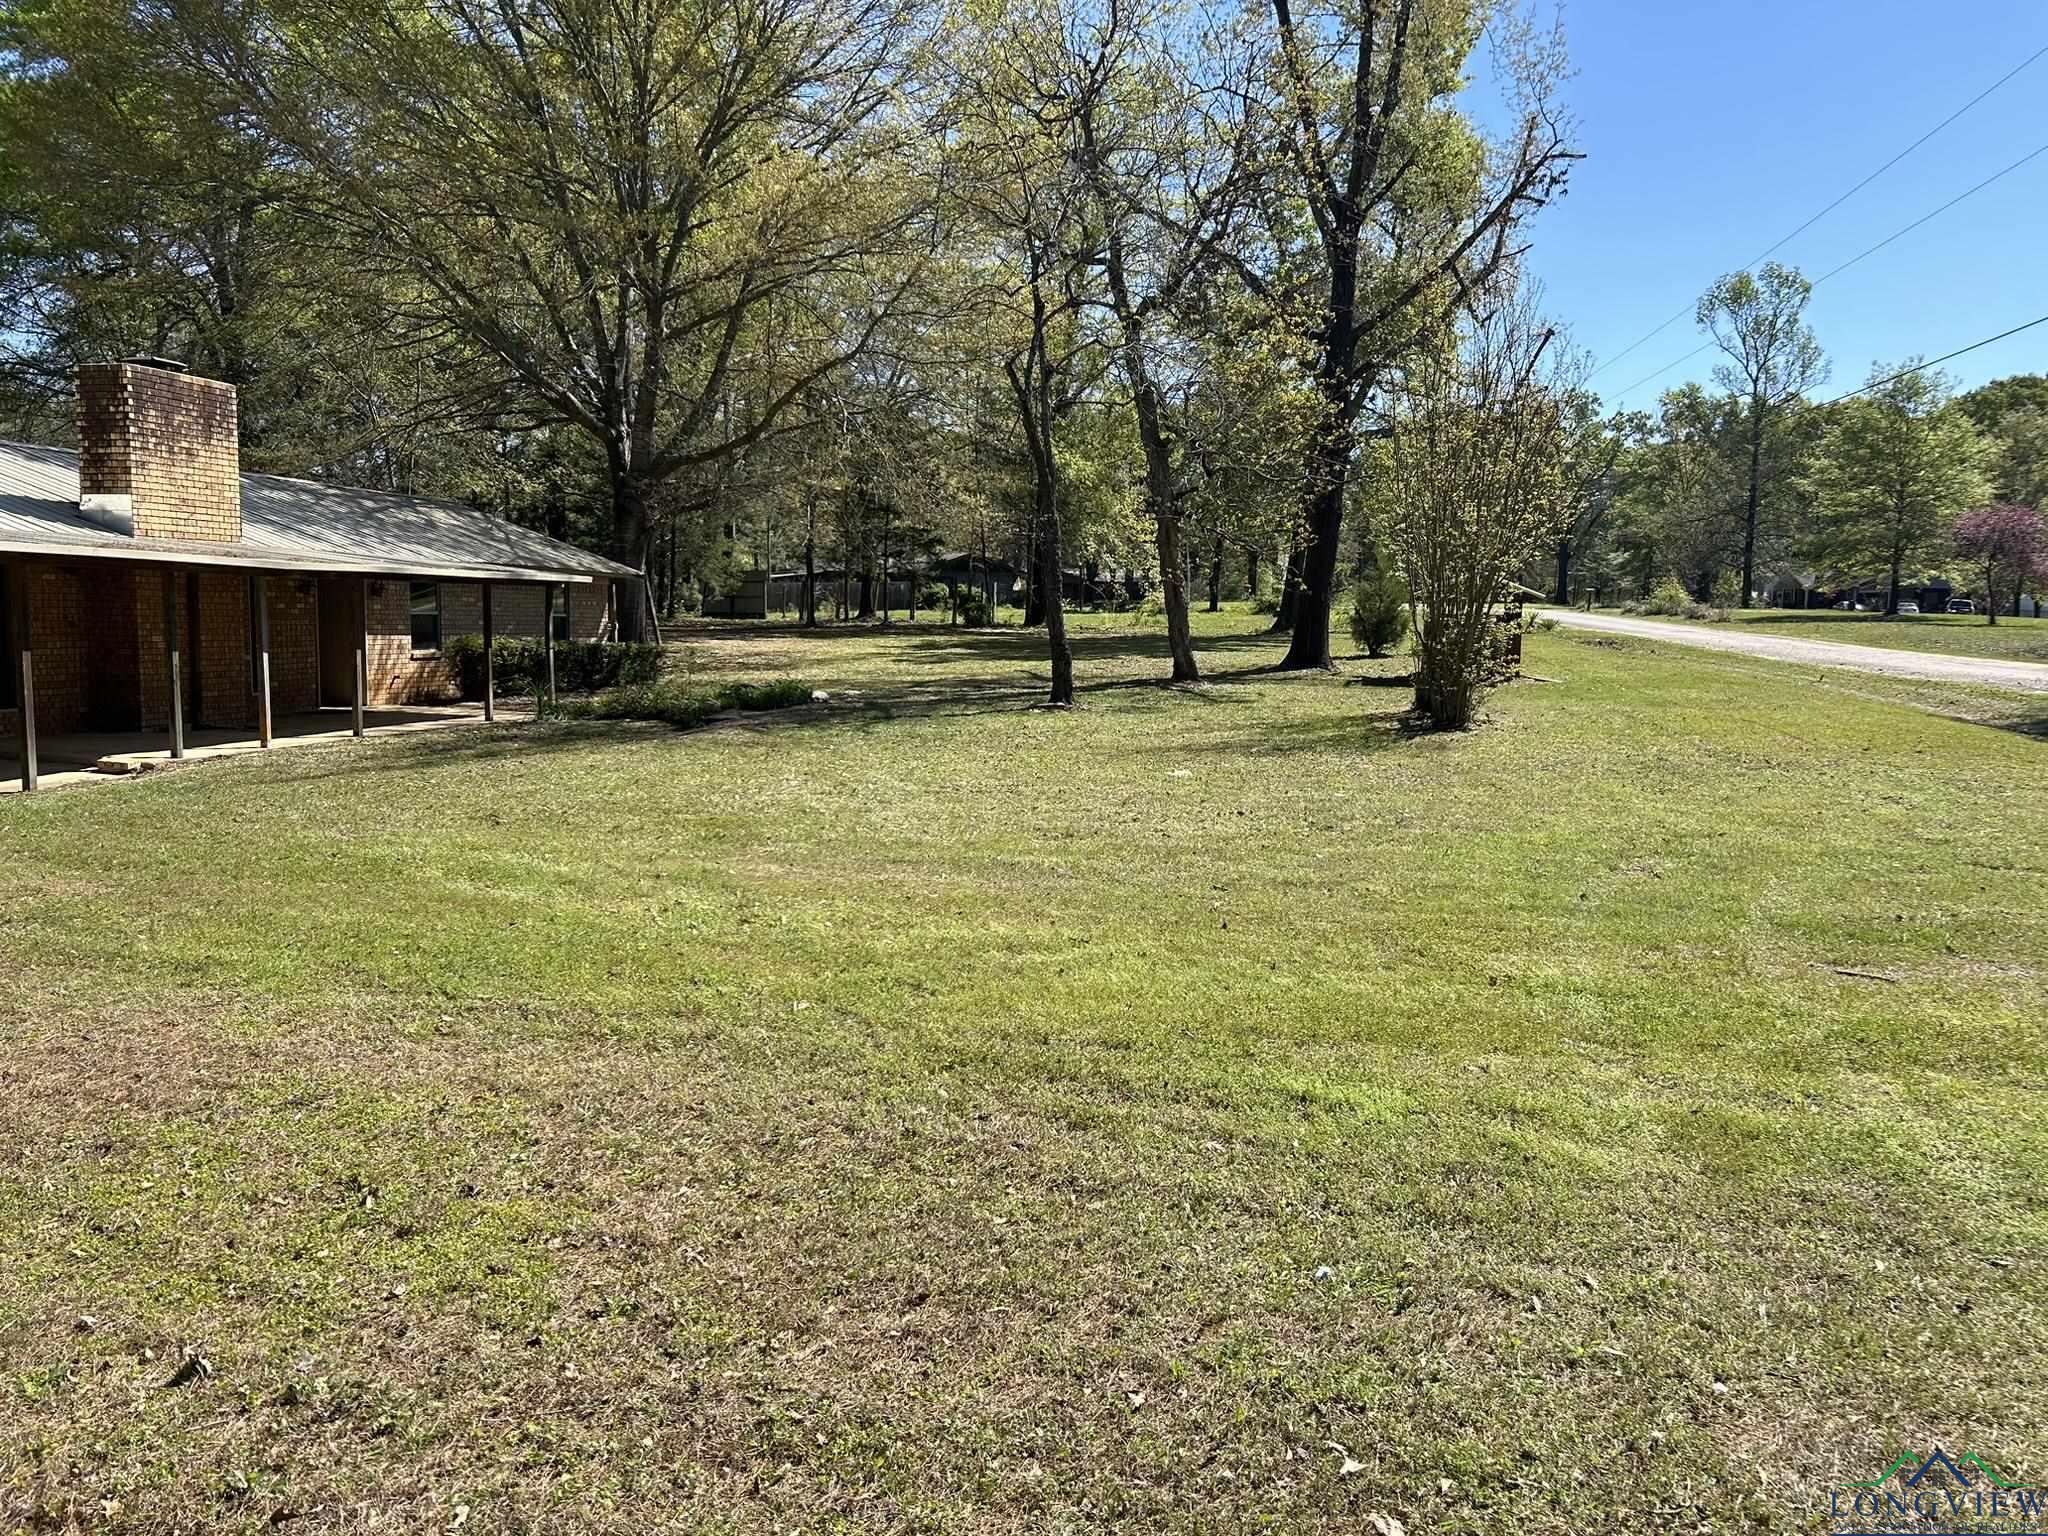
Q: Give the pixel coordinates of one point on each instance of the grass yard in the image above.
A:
(1954, 634)
(1210, 1110)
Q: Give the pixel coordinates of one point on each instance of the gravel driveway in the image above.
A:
(2024, 676)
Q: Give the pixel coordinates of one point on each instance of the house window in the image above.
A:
(426, 616)
(560, 632)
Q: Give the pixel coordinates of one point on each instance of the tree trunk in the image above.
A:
(629, 547)
(1316, 558)
(1756, 469)
(1564, 572)
(1034, 585)
(1174, 594)
(1216, 577)
(810, 582)
(1290, 591)
(867, 591)
(1251, 572)
(1053, 598)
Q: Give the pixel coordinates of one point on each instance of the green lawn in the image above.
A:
(1958, 634)
(1205, 1111)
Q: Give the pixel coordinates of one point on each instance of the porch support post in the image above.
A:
(174, 663)
(24, 675)
(362, 678)
(547, 630)
(490, 658)
(262, 594)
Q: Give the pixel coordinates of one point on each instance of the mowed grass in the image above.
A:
(1210, 1110)
(1953, 634)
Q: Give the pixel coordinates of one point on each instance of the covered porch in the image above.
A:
(115, 667)
(81, 757)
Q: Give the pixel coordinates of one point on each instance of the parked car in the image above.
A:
(1961, 605)
(1909, 608)
(1845, 606)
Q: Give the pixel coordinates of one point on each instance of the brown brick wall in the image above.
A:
(214, 644)
(294, 604)
(590, 611)
(84, 645)
(168, 442)
(397, 675)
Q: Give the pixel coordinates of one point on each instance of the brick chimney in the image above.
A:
(158, 455)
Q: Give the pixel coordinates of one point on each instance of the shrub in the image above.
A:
(581, 666)
(975, 608)
(1728, 590)
(1379, 609)
(684, 707)
(933, 596)
(1267, 603)
(1669, 599)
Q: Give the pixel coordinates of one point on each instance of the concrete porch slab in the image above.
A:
(105, 756)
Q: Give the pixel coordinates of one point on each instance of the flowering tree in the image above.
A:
(2010, 543)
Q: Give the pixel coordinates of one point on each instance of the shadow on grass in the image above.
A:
(1325, 734)
(866, 704)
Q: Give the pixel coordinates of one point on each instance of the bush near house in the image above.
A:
(581, 666)
(1669, 600)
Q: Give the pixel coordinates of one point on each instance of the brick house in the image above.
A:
(282, 596)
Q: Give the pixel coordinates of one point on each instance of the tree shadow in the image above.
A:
(1373, 732)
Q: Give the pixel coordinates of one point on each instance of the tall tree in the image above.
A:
(630, 212)
(1414, 216)
(1019, 180)
(1896, 466)
(1592, 449)
(1167, 150)
(1773, 359)
(2013, 413)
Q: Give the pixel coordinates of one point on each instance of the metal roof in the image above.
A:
(293, 525)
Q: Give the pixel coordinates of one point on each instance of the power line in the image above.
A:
(1934, 362)
(1944, 208)
(2034, 154)
(1639, 383)
(1831, 207)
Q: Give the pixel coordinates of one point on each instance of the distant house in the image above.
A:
(152, 586)
(996, 579)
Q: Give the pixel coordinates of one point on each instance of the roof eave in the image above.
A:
(277, 562)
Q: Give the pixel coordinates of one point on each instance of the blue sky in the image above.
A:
(1712, 129)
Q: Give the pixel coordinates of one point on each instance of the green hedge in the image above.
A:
(581, 666)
